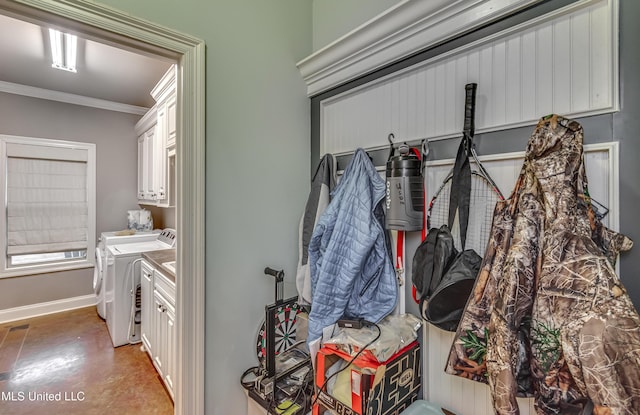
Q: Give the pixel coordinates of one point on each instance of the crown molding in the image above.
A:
(165, 85)
(48, 94)
(404, 29)
(148, 120)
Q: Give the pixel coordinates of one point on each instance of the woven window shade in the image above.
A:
(47, 204)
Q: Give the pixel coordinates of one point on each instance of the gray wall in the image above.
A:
(335, 18)
(116, 153)
(162, 217)
(626, 127)
(257, 162)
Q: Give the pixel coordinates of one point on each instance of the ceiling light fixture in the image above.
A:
(63, 50)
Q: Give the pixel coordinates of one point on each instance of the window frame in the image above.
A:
(7, 270)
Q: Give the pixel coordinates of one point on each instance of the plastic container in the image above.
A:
(404, 192)
(422, 408)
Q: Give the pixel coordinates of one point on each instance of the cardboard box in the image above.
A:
(388, 389)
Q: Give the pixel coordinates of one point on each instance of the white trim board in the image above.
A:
(50, 307)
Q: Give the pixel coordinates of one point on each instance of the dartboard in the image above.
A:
(285, 329)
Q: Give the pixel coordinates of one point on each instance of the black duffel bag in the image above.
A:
(443, 278)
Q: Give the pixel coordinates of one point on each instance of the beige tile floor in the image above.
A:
(64, 363)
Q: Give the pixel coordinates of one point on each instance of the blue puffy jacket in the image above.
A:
(352, 273)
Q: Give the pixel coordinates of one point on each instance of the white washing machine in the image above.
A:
(122, 286)
(106, 239)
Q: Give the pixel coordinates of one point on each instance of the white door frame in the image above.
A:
(121, 29)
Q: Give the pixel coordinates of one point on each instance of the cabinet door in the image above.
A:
(170, 350)
(171, 120)
(160, 171)
(146, 191)
(159, 352)
(148, 310)
(165, 292)
(141, 168)
(146, 130)
(160, 155)
(149, 167)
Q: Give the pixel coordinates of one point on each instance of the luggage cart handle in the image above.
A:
(279, 276)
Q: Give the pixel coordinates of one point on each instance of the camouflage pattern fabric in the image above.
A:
(548, 317)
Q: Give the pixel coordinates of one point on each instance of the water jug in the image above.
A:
(404, 192)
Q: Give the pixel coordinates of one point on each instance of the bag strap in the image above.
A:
(414, 291)
(460, 196)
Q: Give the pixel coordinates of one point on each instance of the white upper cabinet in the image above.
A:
(156, 143)
(164, 94)
(146, 132)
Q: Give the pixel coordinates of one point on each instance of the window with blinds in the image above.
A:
(49, 189)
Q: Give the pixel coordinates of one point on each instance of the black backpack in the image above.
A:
(444, 278)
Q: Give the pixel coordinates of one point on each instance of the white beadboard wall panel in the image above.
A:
(463, 396)
(565, 65)
(513, 81)
(498, 97)
(528, 90)
(544, 69)
(562, 68)
(580, 57)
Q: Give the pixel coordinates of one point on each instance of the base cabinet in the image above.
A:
(159, 328)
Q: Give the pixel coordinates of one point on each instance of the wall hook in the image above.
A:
(425, 149)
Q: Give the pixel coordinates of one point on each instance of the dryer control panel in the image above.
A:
(168, 236)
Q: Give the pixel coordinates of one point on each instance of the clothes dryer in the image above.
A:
(122, 286)
(106, 239)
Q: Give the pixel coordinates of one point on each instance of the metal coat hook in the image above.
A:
(425, 149)
(390, 137)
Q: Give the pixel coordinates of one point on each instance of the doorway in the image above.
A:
(121, 30)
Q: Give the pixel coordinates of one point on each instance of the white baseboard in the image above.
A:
(50, 307)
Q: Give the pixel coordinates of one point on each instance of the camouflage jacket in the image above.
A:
(548, 316)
